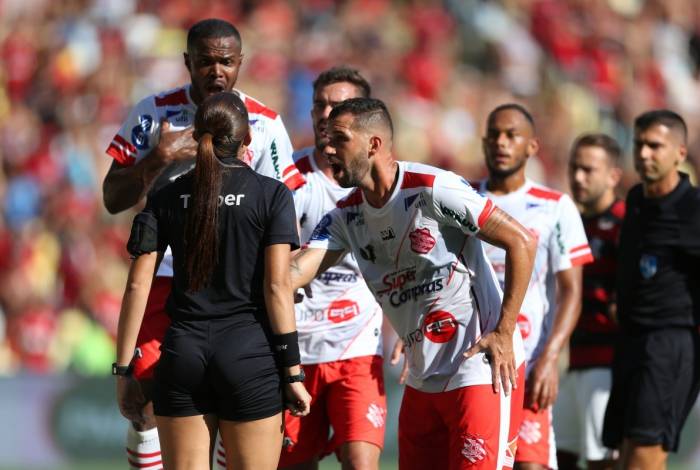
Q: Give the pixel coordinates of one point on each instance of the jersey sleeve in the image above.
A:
(281, 222)
(276, 161)
(457, 204)
(138, 135)
(329, 233)
(568, 245)
(148, 233)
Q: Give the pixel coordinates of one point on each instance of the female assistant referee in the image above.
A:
(230, 357)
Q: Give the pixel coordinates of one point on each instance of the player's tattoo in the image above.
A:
(494, 222)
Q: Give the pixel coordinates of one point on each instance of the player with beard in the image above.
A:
(594, 173)
(154, 146)
(552, 303)
(416, 232)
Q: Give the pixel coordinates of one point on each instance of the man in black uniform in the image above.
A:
(657, 360)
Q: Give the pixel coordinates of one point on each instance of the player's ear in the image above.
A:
(186, 57)
(533, 147)
(375, 144)
(248, 138)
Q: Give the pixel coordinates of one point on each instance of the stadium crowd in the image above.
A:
(70, 71)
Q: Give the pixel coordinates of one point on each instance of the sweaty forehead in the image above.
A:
(222, 46)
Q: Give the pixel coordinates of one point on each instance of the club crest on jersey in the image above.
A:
(342, 310)
(439, 326)
(321, 231)
(648, 265)
(139, 134)
(422, 241)
(387, 234)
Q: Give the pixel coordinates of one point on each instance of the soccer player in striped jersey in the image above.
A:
(416, 232)
(552, 304)
(594, 173)
(152, 148)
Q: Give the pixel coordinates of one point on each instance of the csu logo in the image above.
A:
(648, 265)
(139, 134)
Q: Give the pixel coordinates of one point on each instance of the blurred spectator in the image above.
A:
(70, 70)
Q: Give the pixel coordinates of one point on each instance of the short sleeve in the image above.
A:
(138, 135)
(147, 231)
(458, 204)
(568, 245)
(276, 161)
(281, 223)
(329, 233)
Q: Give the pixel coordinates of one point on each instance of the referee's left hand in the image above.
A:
(297, 399)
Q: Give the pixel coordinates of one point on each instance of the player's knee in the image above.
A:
(360, 456)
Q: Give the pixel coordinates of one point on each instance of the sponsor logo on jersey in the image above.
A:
(321, 231)
(462, 220)
(387, 234)
(397, 279)
(415, 336)
(397, 298)
(367, 254)
(332, 276)
(473, 449)
(524, 325)
(139, 134)
(356, 216)
(439, 326)
(342, 310)
(275, 159)
(560, 240)
(376, 415)
(422, 241)
(648, 265)
(228, 199)
(532, 205)
(407, 202)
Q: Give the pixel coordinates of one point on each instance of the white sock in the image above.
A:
(219, 457)
(143, 449)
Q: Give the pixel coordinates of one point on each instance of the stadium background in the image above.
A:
(70, 71)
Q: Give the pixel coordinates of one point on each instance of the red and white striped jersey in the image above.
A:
(552, 217)
(421, 260)
(269, 153)
(341, 320)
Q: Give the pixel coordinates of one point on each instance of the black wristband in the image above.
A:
(286, 349)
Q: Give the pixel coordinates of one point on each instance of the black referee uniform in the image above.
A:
(216, 356)
(656, 369)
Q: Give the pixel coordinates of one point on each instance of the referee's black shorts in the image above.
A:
(656, 379)
(219, 366)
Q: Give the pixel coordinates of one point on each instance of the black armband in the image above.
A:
(144, 235)
(286, 349)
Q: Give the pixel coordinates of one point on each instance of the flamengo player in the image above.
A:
(154, 146)
(415, 230)
(553, 301)
(340, 324)
(594, 173)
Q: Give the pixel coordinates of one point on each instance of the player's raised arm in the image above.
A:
(520, 246)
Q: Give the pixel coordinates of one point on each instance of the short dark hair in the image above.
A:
(343, 74)
(367, 112)
(604, 141)
(664, 117)
(211, 28)
(513, 107)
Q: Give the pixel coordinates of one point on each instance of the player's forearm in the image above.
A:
(124, 187)
(309, 263)
(566, 316)
(520, 256)
(133, 306)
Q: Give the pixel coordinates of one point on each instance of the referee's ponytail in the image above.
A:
(220, 127)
